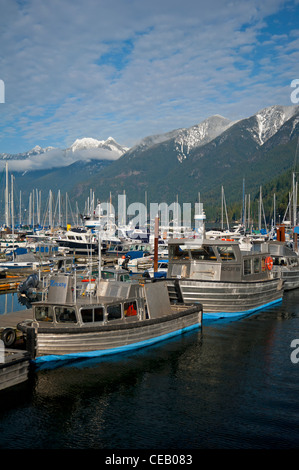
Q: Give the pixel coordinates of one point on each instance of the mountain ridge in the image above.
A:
(182, 162)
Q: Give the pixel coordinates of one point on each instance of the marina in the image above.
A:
(166, 323)
(200, 335)
(149, 229)
(229, 385)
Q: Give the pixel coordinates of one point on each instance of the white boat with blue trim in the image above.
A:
(119, 317)
(227, 282)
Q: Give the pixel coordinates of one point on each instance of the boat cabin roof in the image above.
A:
(219, 250)
(116, 298)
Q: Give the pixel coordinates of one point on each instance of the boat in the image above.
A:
(14, 367)
(120, 317)
(160, 272)
(227, 282)
(138, 257)
(23, 261)
(137, 265)
(79, 241)
(285, 262)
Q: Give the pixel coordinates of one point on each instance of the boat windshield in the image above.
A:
(114, 312)
(95, 314)
(43, 313)
(205, 253)
(107, 275)
(226, 253)
(65, 315)
(178, 252)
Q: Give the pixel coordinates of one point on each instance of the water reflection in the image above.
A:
(11, 302)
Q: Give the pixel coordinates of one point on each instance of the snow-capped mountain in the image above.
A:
(182, 162)
(202, 158)
(261, 126)
(269, 121)
(199, 135)
(84, 149)
(186, 138)
(88, 143)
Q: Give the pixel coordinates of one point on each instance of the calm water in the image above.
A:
(231, 385)
(11, 302)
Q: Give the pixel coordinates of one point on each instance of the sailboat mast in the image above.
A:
(6, 198)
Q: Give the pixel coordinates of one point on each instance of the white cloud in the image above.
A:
(58, 158)
(66, 77)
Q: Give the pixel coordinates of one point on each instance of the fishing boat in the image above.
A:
(23, 261)
(285, 262)
(121, 316)
(228, 282)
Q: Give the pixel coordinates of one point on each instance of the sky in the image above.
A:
(129, 68)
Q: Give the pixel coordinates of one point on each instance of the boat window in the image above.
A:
(205, 253)
(71, 237)
(125, 277)
(130, 309)
(92, 315)
(163, 266)
(263, 264)
(65, 315)
(247, 266)
(114, 312)
(256, 265)
(179, 253)
(98, 314)
(86, 314)
(226, 253)
(107, 275)
(43, 313)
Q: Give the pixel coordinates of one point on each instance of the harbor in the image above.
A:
(193, 329)
(149, 229)
(231, 385)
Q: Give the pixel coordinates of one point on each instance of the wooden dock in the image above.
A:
(10, 282)
(10, 320)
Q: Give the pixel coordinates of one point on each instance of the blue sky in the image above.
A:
(130, 68)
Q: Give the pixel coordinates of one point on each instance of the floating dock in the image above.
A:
(9, 333)
(14, 367)
(10, 282)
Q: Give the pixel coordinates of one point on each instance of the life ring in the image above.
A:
(269, 262)
(8, 337)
